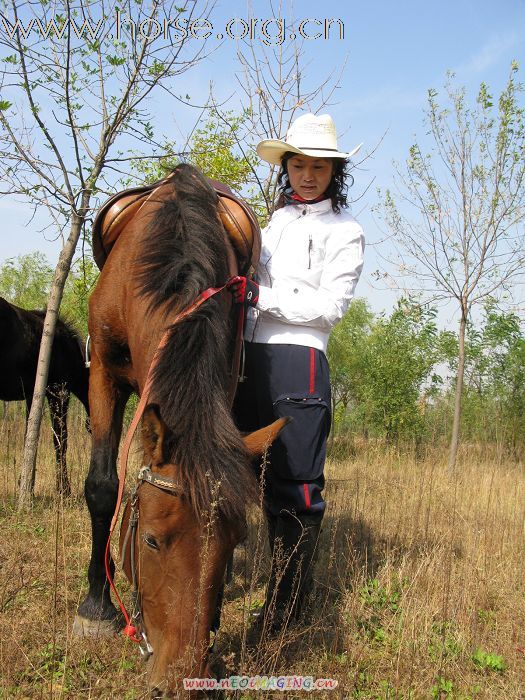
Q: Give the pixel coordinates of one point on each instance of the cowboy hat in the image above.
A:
(308, 135)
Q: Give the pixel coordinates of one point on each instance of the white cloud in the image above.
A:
(489, 54)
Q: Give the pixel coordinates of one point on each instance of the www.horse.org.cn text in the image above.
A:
(271, 32)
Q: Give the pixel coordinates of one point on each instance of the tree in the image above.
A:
(275, 88)
(495, 377)
(347, 352)
(468, 196)
(214, 150)
(26, 280)
(75, 80)
(382, 366)
(510, 382)
(401, 353)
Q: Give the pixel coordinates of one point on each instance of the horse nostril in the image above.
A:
(151, 541)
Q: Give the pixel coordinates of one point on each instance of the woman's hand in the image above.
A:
(244, 291)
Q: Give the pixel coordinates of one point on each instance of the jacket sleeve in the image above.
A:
(297, 303)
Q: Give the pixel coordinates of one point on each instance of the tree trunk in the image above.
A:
(27, 478)
(454, 443)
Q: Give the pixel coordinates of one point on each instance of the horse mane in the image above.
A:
(184, 253)
(65, 332)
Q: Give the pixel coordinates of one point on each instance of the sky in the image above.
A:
(394, 52)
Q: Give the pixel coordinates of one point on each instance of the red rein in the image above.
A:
(130, 630)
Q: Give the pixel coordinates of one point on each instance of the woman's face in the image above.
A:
(309, 177)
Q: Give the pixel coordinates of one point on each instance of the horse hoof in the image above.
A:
(82, 627)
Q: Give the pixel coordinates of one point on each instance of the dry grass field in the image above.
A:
(420, 585)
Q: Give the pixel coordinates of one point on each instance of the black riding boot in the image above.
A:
(295, 542)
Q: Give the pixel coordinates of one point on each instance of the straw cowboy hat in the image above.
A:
(309, 135)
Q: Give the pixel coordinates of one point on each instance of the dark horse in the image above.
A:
(172, 250)
(20, 336)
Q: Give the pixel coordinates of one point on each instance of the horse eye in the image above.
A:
(151, 541)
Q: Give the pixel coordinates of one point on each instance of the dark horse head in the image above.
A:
(174, 249)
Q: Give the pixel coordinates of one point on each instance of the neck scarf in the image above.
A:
(290, 197)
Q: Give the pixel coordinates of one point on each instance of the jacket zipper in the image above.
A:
(309, 251)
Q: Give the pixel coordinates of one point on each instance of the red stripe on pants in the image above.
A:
(312, 390)
(306, 495)
(312, 370)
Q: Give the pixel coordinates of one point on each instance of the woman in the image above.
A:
(310, 263)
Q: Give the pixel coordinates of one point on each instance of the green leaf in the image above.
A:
(115, 60)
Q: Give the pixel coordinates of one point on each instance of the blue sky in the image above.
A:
(394, 53)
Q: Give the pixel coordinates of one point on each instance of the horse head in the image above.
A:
(176, 557)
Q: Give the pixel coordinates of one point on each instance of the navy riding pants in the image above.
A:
(288, 380)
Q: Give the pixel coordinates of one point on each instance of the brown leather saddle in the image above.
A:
(237, 218)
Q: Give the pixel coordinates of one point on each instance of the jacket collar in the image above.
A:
(321, 207)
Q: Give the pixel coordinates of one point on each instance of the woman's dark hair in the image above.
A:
(337, 190)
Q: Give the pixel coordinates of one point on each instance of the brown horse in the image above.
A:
(173, 249)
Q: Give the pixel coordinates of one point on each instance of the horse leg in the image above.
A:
(96, 615)
(58, 400)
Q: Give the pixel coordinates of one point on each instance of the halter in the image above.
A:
(134, 627)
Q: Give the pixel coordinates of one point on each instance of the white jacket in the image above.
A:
(310, 263)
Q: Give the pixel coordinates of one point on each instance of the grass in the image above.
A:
(419, 590)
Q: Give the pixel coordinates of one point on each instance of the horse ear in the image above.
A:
(259, 441)
(153, 431)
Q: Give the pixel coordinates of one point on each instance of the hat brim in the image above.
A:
(272, 151)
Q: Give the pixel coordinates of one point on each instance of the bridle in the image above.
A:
(134, 627)
(161, 482)
(167, 485)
